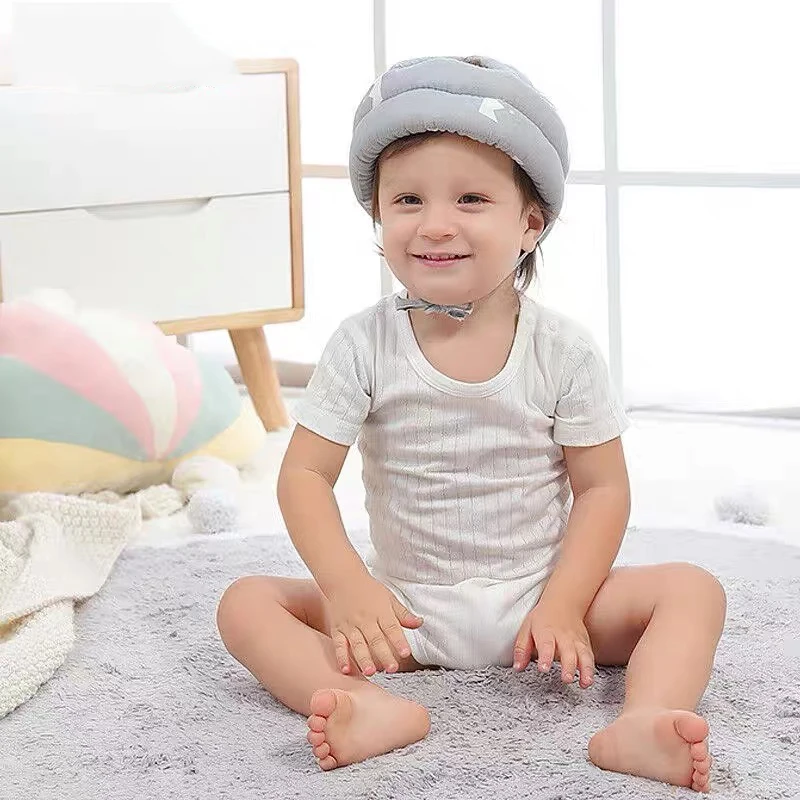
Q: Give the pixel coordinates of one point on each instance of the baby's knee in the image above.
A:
(700, 587)
(234, 608)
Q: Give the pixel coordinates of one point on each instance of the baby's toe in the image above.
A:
(703, 766)
(328, 763)
(315, 737)
(316, 723)
(699, 750)
(322, 751)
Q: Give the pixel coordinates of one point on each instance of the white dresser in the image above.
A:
(183, 208)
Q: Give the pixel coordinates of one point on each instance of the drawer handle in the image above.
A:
(139, 210)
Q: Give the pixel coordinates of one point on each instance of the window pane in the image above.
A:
(727, 103)
(710, 281)
(333, 48)
(572, 276)
(5, 27)
(557, 45)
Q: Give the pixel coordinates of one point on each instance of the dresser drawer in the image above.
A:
(62, 150)
(162, 261)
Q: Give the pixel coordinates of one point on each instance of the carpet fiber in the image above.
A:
(149, 704)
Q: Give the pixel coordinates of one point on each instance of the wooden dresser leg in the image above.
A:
(259, 376)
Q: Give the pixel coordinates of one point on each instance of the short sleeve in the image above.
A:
(338, 396)
(588, 410)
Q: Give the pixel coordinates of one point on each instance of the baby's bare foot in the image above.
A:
(346, 727)
(662, 744)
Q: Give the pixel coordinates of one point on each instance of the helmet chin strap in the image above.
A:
(458, 312)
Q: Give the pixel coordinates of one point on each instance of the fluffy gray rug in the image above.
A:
(149, 704)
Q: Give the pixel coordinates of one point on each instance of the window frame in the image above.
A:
(610, 177)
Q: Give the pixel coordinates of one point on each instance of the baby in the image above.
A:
(495, 479)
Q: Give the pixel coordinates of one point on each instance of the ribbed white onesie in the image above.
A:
(466, 485)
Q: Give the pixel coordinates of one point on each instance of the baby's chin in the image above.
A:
(439, 298)
(443, 292)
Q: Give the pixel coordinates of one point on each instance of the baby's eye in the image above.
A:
(413, 198)
(472, 199)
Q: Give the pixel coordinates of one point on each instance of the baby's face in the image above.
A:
(452, 196)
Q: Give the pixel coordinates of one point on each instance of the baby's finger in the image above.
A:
(407, 618)
(546, 648)
(569, 659)
(342, 652)
(585, 665)
(361, 652)
(523, 649)
(379, 648)
(394, 633)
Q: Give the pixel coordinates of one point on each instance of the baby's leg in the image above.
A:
(279, 629)
(664, 621)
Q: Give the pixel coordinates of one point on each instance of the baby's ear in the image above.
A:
(535, 228)
(536, 220)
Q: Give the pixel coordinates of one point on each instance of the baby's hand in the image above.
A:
(552, 631)
(367, 621)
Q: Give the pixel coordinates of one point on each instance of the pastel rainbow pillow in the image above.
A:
(93, 399)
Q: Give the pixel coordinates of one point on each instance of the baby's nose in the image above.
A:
(437, 224)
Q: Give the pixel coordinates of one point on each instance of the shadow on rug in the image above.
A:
(149, 703)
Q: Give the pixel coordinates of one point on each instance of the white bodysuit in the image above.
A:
(466, 485)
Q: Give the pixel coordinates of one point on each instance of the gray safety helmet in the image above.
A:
(481, 98)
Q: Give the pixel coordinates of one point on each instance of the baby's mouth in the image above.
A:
(439, 259)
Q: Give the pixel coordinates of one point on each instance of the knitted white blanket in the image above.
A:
(55, 550)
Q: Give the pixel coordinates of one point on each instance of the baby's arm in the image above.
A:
(596, 525)
(589, 420)
(308, 474)
(594, 533)
(366, 618)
